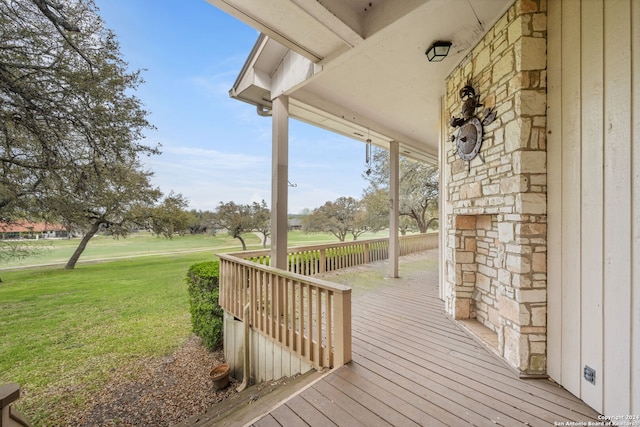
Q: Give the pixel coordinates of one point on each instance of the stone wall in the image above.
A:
(496, 209)
(477, 235)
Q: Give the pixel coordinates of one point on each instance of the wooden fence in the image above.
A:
(315, 259)
(308, 316)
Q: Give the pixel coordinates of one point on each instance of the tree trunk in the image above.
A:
(244, 245)
(83, 244)
(429, 223)
(420, 221)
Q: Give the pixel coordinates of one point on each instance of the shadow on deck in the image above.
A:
(413, 365)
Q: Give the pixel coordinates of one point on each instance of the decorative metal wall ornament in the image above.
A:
(468, 139)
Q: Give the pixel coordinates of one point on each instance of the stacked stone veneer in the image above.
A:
(479, 258)
(496, 212)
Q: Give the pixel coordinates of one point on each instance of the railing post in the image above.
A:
(323, 260)
(367, 255)
(342, 318)
(9, 393)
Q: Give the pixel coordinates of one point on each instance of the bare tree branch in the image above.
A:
(60, 23)
(57, 20)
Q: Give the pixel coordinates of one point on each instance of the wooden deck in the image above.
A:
(413, 365)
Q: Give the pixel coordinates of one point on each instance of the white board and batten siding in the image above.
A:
(593, 162)
(268, 361)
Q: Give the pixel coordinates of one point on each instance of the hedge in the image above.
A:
(206, 314)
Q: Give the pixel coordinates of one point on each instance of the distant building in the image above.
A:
(295, 223)
(31, 230)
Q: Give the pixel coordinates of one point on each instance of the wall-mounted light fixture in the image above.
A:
(438, 51)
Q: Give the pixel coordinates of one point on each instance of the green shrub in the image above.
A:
(206, 314)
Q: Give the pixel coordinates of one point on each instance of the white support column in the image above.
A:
(394, 207)
(279, 181)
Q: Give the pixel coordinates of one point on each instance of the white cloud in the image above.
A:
(191, 157)
(207, 177)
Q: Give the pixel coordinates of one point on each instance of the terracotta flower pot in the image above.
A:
(220, 376)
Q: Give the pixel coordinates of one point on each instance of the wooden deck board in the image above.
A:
(284, 416)
(358, 390)
(326, 405)
(267, 421)
(453, 396)
(486, 406)
(428, 400)
(307, 412)
(413, 365)
(457, 366)
(388, 393)
(341, 397)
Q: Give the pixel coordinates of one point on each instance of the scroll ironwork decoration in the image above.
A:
(468, 138)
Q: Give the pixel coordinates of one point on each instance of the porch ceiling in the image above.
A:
(364, 69)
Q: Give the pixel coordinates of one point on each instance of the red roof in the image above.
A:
(27, 226)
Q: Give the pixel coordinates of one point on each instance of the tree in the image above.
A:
(419, 195)
(375, 202)
(201, 222)
(66, 103)
(418, 189)
(261, 220)
(170, 216)
(234, 218)
(342, 217)
(114, 197)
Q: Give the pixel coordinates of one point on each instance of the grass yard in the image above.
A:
(145, 244)
(63, 332)
(137, 244)
(300, 238)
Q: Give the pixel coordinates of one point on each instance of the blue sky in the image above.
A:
(216, 148)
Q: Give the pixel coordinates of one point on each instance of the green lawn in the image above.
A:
(137, 244)
(300, 238)
(145, 244)
(65, 330)
(62, 332)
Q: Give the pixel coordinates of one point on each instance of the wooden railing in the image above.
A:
(9, 417)
(308, 316)
(312, 260)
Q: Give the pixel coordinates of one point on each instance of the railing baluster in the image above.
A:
(328, 358)
(294, 319)
(309, 322)
(300, 318)
(255, 301)
(264, 293)
(237, 288)
(318, 345)
(275, 306)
